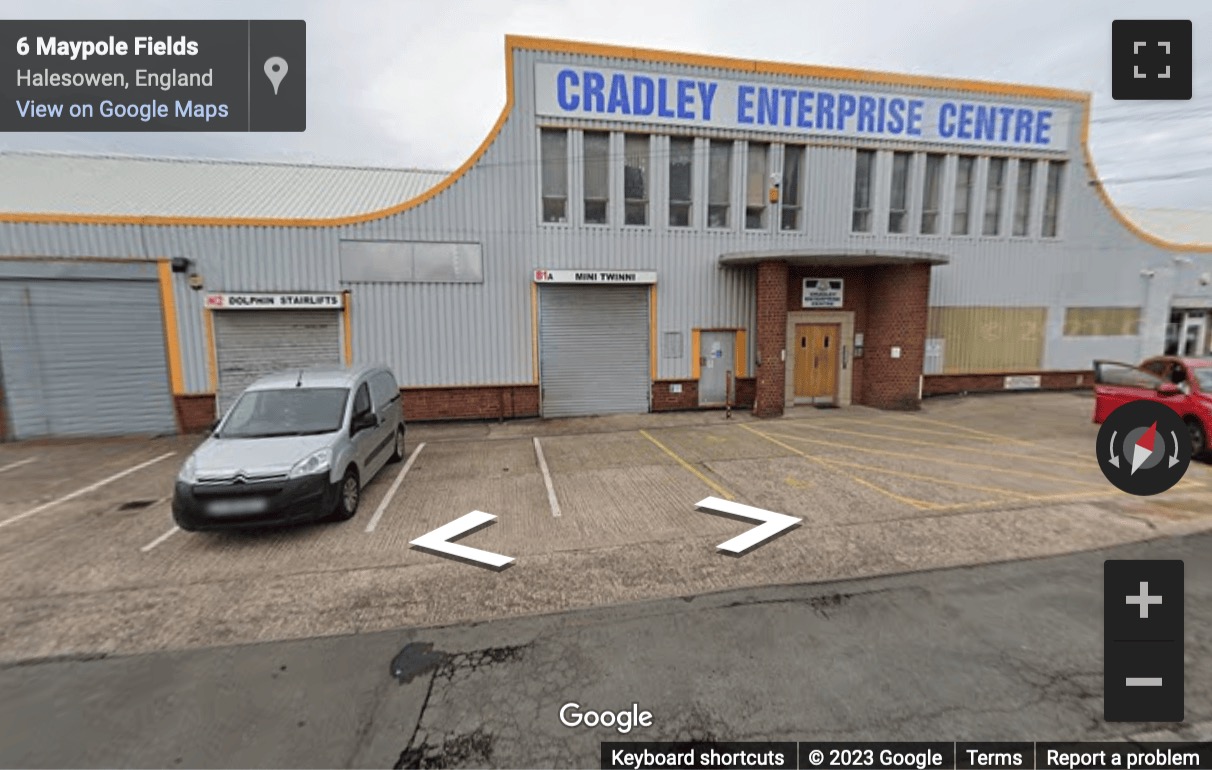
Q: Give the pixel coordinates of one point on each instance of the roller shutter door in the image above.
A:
(252, 343)
(593, 343)
(83, 358)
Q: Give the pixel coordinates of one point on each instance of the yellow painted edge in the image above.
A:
(212, 358)
(534, 331)
(742, 351)
(172, 339)
(695, 342)
(652, 332)
(1132, 227)
(347, 316)
(721, 491)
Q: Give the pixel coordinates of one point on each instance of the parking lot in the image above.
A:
(90, 562)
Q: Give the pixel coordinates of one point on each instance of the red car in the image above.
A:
(1183, 384)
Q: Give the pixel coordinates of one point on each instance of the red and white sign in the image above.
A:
(228, 301)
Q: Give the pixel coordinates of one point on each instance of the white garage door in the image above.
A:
(252, 343)
(83, 358)
(593, 343)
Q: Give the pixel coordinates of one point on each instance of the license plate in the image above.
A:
(239, 505)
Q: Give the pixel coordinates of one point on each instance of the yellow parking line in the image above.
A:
(954, 448)
(718, 489)
(987, 434)
(919, 504)
(897, 422)
(935, 479)
(942, 461)
(1068, 496)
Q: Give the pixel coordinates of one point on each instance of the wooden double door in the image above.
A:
(816, 357)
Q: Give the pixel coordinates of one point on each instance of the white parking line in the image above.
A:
(374, 520)
(160, 539)
(85, 490)
(17, 464)
(551, 495)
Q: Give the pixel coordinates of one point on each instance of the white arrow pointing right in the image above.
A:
(771, 523)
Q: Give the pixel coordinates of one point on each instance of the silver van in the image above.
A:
(295, 446)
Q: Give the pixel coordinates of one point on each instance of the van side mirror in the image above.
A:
(363, 421)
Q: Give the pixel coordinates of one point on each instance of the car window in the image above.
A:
(362, 400)
(291, 412)
(1157, 367)
(1203, 375)
(384, 389)
(1126, 376)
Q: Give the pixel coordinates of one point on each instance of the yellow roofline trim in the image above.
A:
(523, 42)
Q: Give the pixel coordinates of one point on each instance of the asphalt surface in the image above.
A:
(1010, 651)
(90, 562)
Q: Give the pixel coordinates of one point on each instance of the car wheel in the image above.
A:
(349, 494)
(398, 453)
(1199, 439)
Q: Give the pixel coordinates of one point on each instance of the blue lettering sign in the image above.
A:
(618, 96)
(663, 108)
(707, 95)
(685, 99)
(744, 103)
(1043, 125)
(866, 114)
(915, 117)
(594, 99)
(564, 81)
(804, 120)
(846, 106)
(642, 103)
(946, 120)
(896, 115)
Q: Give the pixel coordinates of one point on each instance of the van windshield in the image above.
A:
(289, 412)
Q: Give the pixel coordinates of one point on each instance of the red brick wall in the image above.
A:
(471, 403)
(745, 388)
(942, 384)
(897, 297)
(195, 412)
(854, 300)
(665, 401)
(771, 338)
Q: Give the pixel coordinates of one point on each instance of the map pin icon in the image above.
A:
(275, 70)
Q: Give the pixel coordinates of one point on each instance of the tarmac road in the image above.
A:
(1010, 651)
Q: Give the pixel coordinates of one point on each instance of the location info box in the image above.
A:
(153, 75)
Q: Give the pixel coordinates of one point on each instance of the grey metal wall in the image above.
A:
(456, 334)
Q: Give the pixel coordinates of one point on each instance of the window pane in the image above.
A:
(757, 172)
(553, 147)
(597, 176)
(963, 194)
(863, 167)
(900, 192)
(681, 170)
(719, 183)
(635, 178)
(793, 162)
(993, 195)
(1052, 198)
(1022, 196)
(932, 193)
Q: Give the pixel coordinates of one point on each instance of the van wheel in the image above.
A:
(1199, 438)
(397, 453)
(349, 494)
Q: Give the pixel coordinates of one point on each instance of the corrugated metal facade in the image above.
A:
(481, 333)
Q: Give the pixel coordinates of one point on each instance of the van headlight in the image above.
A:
(315, 462)
(189, 471)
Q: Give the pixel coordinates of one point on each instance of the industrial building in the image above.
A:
(640, 231)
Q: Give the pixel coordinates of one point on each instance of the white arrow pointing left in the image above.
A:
(439, 540)
(771, 523)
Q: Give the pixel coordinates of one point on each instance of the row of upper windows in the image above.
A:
(773, 185)
(761, 195)
(961, 210)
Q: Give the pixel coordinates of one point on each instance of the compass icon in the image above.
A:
(1143, 448)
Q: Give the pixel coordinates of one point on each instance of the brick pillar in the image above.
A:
(897, 306)
(771, 339)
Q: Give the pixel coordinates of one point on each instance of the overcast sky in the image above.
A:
(404, 83)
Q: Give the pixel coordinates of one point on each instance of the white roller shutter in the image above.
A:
(83, 358)
(593, 343)
(252, 343)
